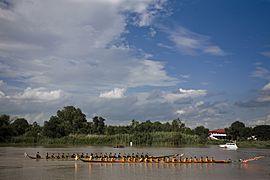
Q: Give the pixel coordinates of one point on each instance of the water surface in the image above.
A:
(13, 165)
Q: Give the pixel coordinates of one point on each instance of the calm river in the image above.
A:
(13, 165)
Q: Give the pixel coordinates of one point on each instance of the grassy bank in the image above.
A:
(138, 139)
(255, 144)
(164, 139)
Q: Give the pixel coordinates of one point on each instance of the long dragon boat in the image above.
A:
(60, 159)
(150, 161)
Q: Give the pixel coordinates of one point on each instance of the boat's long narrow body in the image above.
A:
(172, 162)
(60, 159)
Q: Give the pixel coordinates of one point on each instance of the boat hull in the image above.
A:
(229, 146)
(58, 159)
(170, 162)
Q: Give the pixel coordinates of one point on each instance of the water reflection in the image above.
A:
(150, 168)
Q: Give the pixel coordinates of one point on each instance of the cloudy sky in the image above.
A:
(206, 62)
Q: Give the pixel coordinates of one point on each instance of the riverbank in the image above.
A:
(170, 139)
(156, 139)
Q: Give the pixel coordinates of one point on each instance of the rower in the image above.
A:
(67, 156)
(47, 156)
(63, 155)
(206, 159)
(146, 155)
(201, 159)
(82, 156)
(195, 159)
(180, 159)
(86, 156)
(52, 156)
(162, 160)
(173, 159)
(58, 156)
(145, 159)
(91, 156)
(38, 156)
(73, 155)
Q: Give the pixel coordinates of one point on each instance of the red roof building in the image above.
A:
(217, 134)
(219, 131)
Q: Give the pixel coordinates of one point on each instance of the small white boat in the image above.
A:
(229, 146)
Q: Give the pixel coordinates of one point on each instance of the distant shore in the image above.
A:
(160, 140)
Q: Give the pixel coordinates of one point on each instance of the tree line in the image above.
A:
(72, 121)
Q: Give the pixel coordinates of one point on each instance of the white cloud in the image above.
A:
(164, 46)
(192, 43)
(35, 117)
(266, 87)
(116, 93)
(214, 50)
(2, 94)
(152, 32)
(261, 73)
(260, 121)
(146, 10)
(2, 83)
(180, 112)
(148, 72)
(266, 53)
(182, 93)
(76, 40)
(71, 47)
(39, 94)
(204, 113)
(264, 96)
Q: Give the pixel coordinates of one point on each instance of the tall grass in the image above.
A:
(138, 139)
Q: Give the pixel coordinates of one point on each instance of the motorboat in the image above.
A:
(229, 146)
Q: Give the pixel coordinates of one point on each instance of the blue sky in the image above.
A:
(206, 62)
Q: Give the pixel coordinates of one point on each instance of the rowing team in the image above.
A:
(158, 159)
(93, 155)
(128, 157)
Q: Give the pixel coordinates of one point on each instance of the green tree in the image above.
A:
(202, 132)
(20, 126)
(6, 131)
(177, 125)
(262, 132)
(73, 119)
(70, 120)
(235, 130)
(99, 125)
(55, 128)
(34, 130)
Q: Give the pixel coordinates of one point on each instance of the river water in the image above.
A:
(13, 164)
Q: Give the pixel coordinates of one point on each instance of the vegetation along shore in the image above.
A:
(70, 127)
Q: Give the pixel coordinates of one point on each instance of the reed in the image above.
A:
(138, 139)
